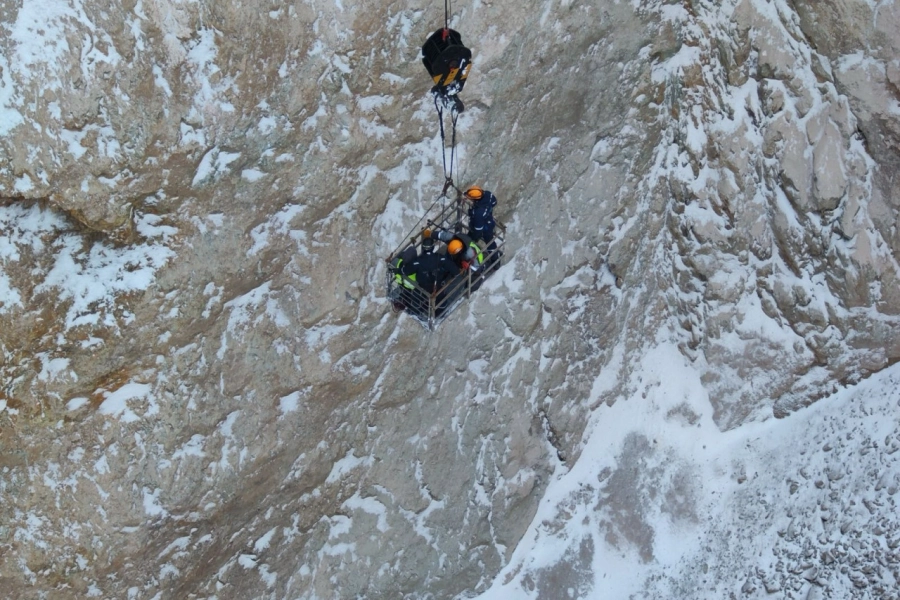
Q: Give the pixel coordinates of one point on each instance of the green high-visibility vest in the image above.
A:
(400, 279)
(478, 253)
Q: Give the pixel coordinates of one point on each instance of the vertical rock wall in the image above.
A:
(203, 389)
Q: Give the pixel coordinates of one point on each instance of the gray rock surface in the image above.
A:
(204, 392)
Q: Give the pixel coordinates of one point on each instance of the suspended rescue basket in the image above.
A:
(431, 307)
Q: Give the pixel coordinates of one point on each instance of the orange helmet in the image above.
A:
(474, 193)
(454, 247)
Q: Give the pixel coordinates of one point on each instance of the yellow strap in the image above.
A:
(450, 77)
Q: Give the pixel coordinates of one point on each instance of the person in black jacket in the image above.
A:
(466, 254)
(433, 269)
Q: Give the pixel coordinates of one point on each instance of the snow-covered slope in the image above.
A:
(203, 391)
(663, 504)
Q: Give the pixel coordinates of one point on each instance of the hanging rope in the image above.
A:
(440, 102)
(454, 115)
(439, 106)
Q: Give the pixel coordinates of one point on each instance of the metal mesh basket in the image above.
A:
(430, 309)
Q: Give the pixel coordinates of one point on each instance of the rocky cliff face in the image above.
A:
(204, 391)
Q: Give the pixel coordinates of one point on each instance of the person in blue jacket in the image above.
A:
(481, 213)
(481, 222)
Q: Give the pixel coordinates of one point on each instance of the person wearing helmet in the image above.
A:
(433, 269)
(428, 245)
(463, 250)
(481, 213)
(404, 294)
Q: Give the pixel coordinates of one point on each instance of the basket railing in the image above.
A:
(431, 308)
